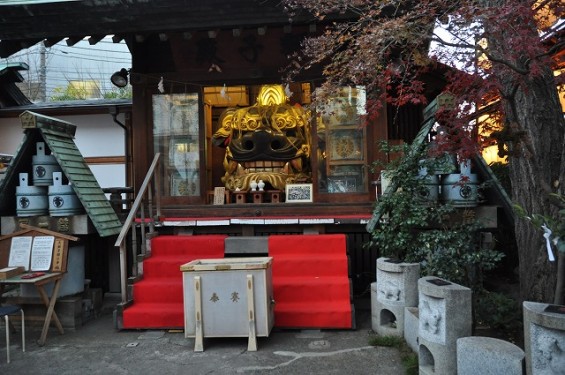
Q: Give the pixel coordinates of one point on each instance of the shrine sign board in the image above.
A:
(35, 249)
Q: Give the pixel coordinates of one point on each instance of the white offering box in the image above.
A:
(230, 297)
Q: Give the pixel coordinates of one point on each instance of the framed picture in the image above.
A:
(296, 193)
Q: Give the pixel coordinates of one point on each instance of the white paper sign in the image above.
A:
(20, 251)
(42, 253)
(219, 194)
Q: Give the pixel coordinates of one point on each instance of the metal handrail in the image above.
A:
(129, 222)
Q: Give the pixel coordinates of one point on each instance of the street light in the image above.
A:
(120, 78)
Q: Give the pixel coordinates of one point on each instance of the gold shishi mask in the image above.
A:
(268, 141)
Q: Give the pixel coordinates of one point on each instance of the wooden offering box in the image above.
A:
(228, 298)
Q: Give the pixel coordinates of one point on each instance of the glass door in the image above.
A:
(176, 136)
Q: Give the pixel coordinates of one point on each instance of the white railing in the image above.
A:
(150, 190)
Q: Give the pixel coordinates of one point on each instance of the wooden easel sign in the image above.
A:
(35, 249)
(59, 255)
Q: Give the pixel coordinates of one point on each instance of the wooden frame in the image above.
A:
(298, 193)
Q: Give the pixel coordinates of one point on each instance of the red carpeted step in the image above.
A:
(328, 265)
(199, 246)
(158, 297)
(307, 244)
(313, 315)
(311, 289)
(160, 266)
(154, 316)
(311, 286)
(158, 291)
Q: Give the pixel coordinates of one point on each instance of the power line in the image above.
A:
(95, 65)
(107, 53)
(61, 53)
(89, 58)
(90, 49)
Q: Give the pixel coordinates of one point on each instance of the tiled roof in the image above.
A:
(10, 94)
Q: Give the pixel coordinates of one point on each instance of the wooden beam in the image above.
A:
(52, 41)
(95, 39)
(8, 48)
(72, 40)
(98, 160)
(117, 38)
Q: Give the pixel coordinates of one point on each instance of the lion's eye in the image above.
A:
(248, 144)
(276, 144)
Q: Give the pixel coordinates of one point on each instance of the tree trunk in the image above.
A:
(559, 298)
(534, 115)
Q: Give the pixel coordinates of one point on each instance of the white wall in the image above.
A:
(96, 135)
(11, 135)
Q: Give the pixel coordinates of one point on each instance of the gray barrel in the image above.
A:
(30, 200)
(460, 192)
(43, 166)
(62, 199)
(430, 191)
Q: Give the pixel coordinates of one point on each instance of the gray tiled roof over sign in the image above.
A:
(58, 135)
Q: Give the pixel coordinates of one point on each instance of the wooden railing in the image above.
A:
(148, 195)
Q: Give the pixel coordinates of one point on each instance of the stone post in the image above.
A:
(396, 288)
(544, 338)
(445, 315)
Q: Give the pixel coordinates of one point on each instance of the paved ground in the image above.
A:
(97, 348)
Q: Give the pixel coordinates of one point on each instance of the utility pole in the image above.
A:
(42, 73)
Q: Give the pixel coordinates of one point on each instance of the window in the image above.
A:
(176, 137)
(342, 153)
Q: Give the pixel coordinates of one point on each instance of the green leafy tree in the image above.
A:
(118, 93)
(80, 92)
(70, 92)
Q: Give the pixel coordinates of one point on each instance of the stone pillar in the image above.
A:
(544, 338)
(487, 355)
(395, 289)
(445, 315)
(411, 321)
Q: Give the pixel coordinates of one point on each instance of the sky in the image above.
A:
(79, 62)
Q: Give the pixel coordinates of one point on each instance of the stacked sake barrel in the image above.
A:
(47, 194)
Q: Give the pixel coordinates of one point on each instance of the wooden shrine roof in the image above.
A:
(25, 23)
(10, 94)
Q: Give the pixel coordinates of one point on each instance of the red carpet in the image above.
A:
(311, 285)
(158, 298)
